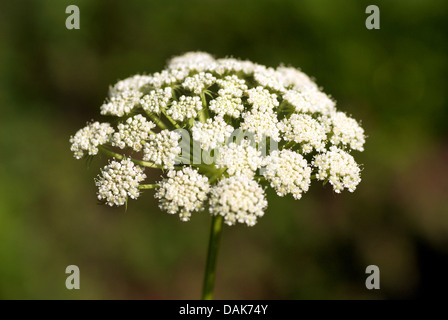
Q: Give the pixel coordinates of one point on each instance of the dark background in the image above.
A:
(394, 79)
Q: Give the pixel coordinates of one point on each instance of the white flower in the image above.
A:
(162, 148)
(183, 192)
(232, 85)
(87, 139)
(212, 133)
(198, 61)
(238, 199)
(319, 100)
(237, 112)
(156, 100)
(229, 65)
(309, 100)
(199, 82)
(121, 104)
(186, 108)
(339, 168)
(347, 131)
(125, 95)
(167, 78)
(270, 78)
(302, 128)
(288, 172)
(132, 133)
(261, 99)
(261, 123)
(239, 159)
(227, 105)
(134, 83)
(292, 77)
(297, 100)
(118, 181)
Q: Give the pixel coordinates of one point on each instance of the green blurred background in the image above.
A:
(394, 79)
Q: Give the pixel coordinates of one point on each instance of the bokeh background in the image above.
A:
(53, 80)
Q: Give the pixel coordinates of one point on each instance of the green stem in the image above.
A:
(182, 160)
(120, 157)
(216, 176)
(203, 114)
(157, 120)
(148, 186)
(212, 255)
(289, 144)
(174, 123)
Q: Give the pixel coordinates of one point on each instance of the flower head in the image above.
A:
(262, 124)
(239, 159)
(309, 100)
(238, 199)
(133, 133)
(125, 96)
(162, 148)
(212, 133)
(118, 181)
(262, 99)
(288, 172)
(87, 139)
(197, 61)
(227, 105)
(186, 108)
(230, 65)
(156, 100)
(339, 168)
(346, 131)
(224, 129)
(135, 83)
(183, 192)
(232, 86)
(166, 78)
(199, 82)
(304, 130)
(269, 78)
(294, 78)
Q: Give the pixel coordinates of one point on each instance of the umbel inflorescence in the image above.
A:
(220, 131)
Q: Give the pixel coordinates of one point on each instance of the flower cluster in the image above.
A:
(305, 130)
(238, 199)
(199, 82)
(183, 192)
(213, 133)
(339, 168)
(288, 172)
(124, 96)
(226, 129)
(89, 138)
(162, 148)
(156, 100)
(227, 104)
(186, 108)
(132, 133)
(118, 181)
(239, 159)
